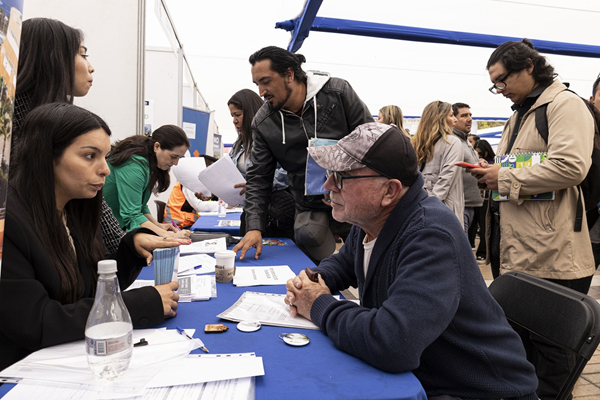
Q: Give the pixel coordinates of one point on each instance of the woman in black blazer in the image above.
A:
(52, 240)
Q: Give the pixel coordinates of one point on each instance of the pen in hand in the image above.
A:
(182, 332)
(176, 227)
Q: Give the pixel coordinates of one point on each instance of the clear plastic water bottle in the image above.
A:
(108, 331)
(221, 211)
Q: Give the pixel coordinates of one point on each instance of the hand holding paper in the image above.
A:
(186, 173)
(220, 177)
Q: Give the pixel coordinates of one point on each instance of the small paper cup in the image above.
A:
(224, 268)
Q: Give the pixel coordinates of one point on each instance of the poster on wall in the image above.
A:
(195, 124)
(148, 116)
(217, 145)
(11, 18)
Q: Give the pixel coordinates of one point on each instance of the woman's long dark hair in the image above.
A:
(46, 71)
(485, 147)
(47, 131)
(249, 102)
(47, 60)
(168, 136)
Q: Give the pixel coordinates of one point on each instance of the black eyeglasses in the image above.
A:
(500, 85)
(338, 179)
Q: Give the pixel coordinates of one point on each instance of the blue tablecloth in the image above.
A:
(316, 371)
(209, 223)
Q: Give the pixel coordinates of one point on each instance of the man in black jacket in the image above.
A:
(300, 106)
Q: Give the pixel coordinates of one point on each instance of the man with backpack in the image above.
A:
(540, 237)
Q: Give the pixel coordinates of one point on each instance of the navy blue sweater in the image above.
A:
(425, 307)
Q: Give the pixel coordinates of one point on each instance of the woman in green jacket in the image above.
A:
(140, 165)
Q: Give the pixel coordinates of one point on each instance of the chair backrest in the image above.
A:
(561, 315)
(160, 210)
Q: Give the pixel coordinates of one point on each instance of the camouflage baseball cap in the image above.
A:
(383, 148)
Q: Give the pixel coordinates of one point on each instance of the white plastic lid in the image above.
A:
(107, 266)
(225, 254)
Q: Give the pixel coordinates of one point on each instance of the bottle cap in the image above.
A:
(107, 266)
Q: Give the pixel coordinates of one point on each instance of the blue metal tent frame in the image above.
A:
(308, 21)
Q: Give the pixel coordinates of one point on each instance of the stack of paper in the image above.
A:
(196, 288)
(205, 246)
(186, 172)
(165, 264)
(266, 308)
(220, 177)
(231, 389)
(61, 372)
(255, 276)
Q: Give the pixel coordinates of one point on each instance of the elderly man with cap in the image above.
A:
(424, 306)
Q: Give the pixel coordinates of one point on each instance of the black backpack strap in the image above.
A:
(579, 212)
(541, 121)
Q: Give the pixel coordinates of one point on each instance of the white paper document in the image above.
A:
(67, 364)
(190, 130)
(186, 172)
(139, 283)
(230, 389)
(196, 264)
(191, 287)
(196, 288)
(266, 308)
(210, 367)
(216, 214)
(204, 247)
(229, 222)
(220, 177)
(255, 276)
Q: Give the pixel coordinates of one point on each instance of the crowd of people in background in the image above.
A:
(408, 214)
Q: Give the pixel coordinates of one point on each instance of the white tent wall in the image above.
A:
(161, 87)
(114, 36)
(114, 33)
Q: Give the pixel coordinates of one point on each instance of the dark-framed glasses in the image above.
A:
(500, 85)
(338, 178)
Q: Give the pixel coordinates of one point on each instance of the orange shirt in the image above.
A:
(173, 209)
